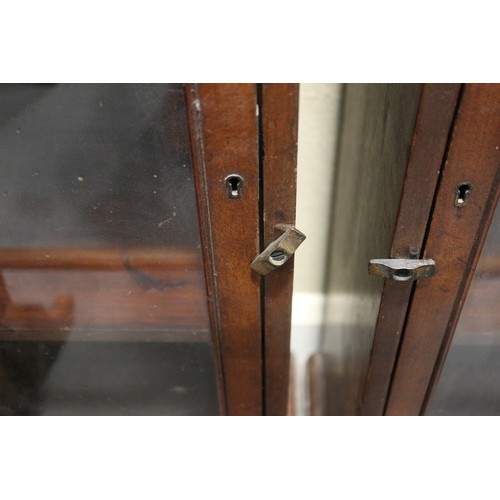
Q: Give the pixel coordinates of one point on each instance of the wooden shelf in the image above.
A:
(93, 292)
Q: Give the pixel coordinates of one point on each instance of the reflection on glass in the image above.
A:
(102, 296)
(470, 382)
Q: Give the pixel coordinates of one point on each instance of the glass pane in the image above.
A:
(102, 295)
(470, 382)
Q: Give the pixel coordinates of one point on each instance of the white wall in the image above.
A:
(319, 108)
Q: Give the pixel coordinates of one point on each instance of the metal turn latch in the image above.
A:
(402, 269)
(279, 251)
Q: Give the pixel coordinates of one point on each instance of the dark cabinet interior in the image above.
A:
(104, 302)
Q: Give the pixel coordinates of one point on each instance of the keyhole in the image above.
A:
(234, 184)
(462, 193)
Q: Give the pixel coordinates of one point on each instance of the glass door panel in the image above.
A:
(103, 307)
(470, 381)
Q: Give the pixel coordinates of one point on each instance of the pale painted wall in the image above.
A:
(319, 108)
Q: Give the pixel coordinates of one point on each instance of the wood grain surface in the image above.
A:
(435, 115)
(374, 148)
(102, 294)
(224, 125)
(95, 259)
(279, 116)
(454, 240)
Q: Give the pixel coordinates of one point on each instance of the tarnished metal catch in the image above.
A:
(402, 269)
(279, 251)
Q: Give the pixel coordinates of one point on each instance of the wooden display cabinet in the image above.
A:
(126, 285)
(131, 215)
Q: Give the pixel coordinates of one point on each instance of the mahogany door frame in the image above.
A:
(456, 234)
(435, 116)
(247, 130)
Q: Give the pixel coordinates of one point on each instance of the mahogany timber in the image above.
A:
(434, 120)
(374, 148)
(102, 294)
(279, 115)
(95, 259)
(454, 240)
(224, 125)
